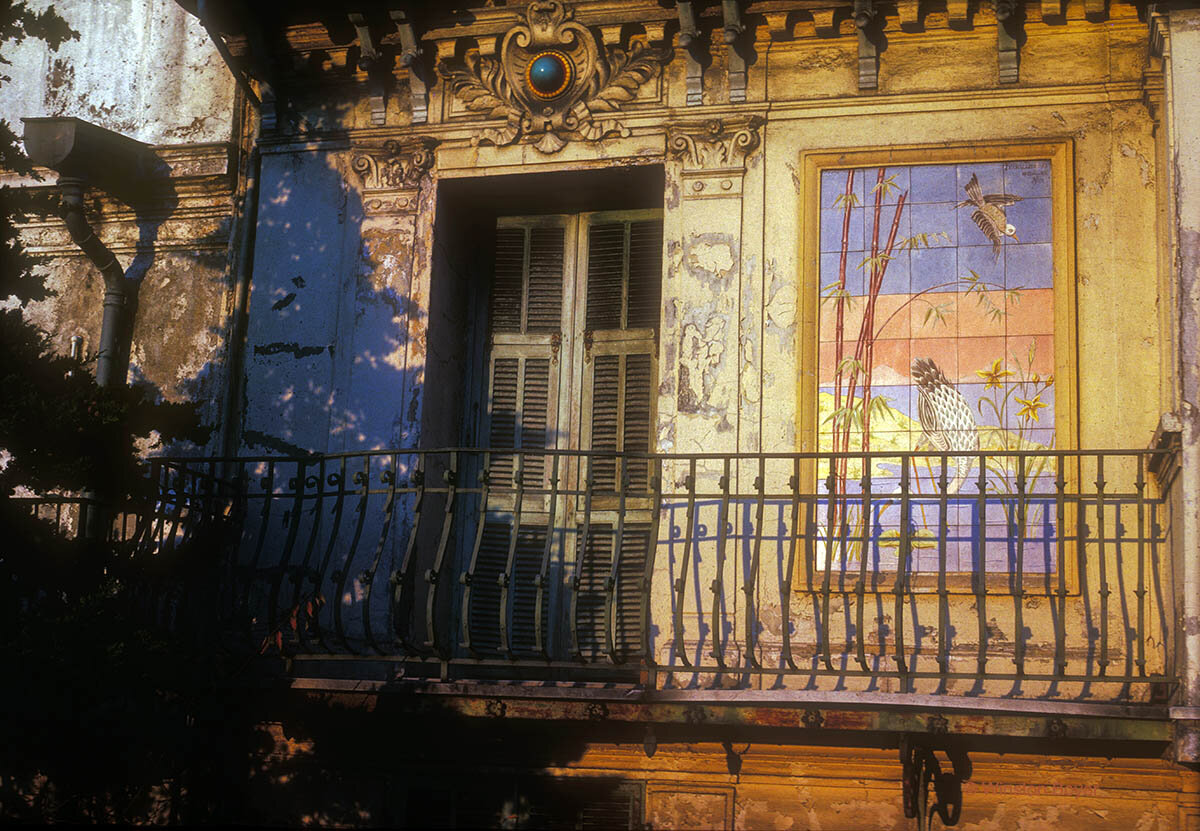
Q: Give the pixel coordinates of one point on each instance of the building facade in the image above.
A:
(791, 404)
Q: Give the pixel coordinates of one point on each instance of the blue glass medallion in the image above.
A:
(549, 74)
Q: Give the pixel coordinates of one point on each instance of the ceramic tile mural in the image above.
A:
(936, 332)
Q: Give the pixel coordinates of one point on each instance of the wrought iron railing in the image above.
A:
(1045, 573)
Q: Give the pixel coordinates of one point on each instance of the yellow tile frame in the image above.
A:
(1060, 155)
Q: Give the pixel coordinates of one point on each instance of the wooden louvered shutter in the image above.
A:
(624, 266)
(526, 324)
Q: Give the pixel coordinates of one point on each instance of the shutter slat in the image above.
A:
(605, 420)
(535, 420)
(545, 280)
(503, 427)
(594, 568)
(636, 439)
(606, 255)
(531, 544)
(484, 615)
(507, 284)
(645, 274)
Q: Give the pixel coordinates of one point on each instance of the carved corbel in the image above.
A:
(1009, 34)
(732, 33)
(1095, 10)
(713, 154)
(372, 62)
(410, 59)
(1052, 11)
(390, 175)
(910, 15)
(690, 42)
(866, 21)
(959, 12)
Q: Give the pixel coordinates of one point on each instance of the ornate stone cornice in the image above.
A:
(581, 95)
(390, 174)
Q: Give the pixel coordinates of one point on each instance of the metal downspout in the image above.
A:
(109, 373)
(114, 280)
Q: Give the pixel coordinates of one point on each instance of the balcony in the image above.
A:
(1044, 576)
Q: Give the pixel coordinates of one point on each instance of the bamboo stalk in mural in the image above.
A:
(1005, 411)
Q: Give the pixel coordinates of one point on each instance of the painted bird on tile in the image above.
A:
(989, 213)
(945, 418)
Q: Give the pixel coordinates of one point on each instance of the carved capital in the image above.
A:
(715, 145)
(390, 174)
(553, 80)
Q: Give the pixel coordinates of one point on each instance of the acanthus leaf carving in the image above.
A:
(715, 144)
(391, 174)
(596, 80)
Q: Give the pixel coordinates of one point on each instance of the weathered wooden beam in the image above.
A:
(410, 58)
(959, 12)
(371, 61)
(865, 21)
(689, 41)
(1008, 39)
(732, 33)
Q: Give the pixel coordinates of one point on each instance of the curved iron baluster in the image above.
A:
(751, 578)
(943, 658)
(580, 552)
(388, 477)
(979, 576)
(831, 522)
(785, 596)
(402, 580)
(614, 573)
(1101, 557)
(904, 555)
(338, 480)
(689, 482)
(468, 577)
(860, 587)
(505, 578)
(267, 483)
(362, 478)
(1060, 534)
(433, 575)
(1140, 486)
(543, 575)
(298, 485)
(648, 658)
(1018, 586)
(718, 584)
(304, 616)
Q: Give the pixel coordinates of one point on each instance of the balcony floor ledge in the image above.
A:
(751, 699)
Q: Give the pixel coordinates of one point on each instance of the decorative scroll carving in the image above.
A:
(714, 155)
(391, 174)
(552, 81)
(715, 145)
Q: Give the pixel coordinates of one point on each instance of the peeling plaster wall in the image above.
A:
(336, 342)
(143, 68)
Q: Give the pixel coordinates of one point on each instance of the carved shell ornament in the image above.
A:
(552, 81)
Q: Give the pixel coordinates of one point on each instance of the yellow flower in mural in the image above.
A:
(994, 376)
(1030, 407)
